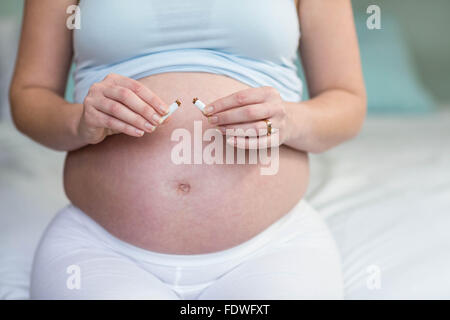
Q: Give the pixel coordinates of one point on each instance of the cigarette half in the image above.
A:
(172, 108)
(199, 104)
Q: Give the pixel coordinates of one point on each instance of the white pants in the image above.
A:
(294, 258)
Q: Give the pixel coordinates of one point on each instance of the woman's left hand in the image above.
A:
(241, 117)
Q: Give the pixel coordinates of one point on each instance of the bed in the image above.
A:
(385, 196)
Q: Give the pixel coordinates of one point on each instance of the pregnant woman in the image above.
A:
(142, 226)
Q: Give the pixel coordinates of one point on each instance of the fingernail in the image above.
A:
(149, 126)
(157, 118)
(209, 109)
(165, 110)
(213, 119)
(140, 132)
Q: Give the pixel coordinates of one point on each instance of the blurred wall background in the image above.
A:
(426, 27)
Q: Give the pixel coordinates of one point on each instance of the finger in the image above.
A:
(117, 125)
(251, 129)
(147, 95)
(239, 99)
(244, 114)
(121, 112)
(262, 142)
(129, 99)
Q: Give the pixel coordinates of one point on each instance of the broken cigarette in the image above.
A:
(200, 105)
(172, 108)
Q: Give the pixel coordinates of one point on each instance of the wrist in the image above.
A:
(76, 129)
(296, 126)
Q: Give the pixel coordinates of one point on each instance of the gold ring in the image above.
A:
(269, 126)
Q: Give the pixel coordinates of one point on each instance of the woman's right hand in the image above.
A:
(119, 105)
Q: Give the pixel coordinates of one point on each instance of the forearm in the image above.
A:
(325, 121)
(46, 118)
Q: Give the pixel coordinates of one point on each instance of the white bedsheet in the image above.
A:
(385, 195)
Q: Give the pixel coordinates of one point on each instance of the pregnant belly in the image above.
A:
(138, 191)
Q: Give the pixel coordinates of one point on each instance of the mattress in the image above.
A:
(385, 196)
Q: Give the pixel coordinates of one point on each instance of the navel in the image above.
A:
(184, 188)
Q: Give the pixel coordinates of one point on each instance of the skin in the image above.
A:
(121, 116)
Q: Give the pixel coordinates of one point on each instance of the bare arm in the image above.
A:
(37, 89)
(115, 105)
(330, 57)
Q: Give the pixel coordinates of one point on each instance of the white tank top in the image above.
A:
(253, 41)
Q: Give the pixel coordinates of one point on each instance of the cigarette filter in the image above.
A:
(172, 108)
